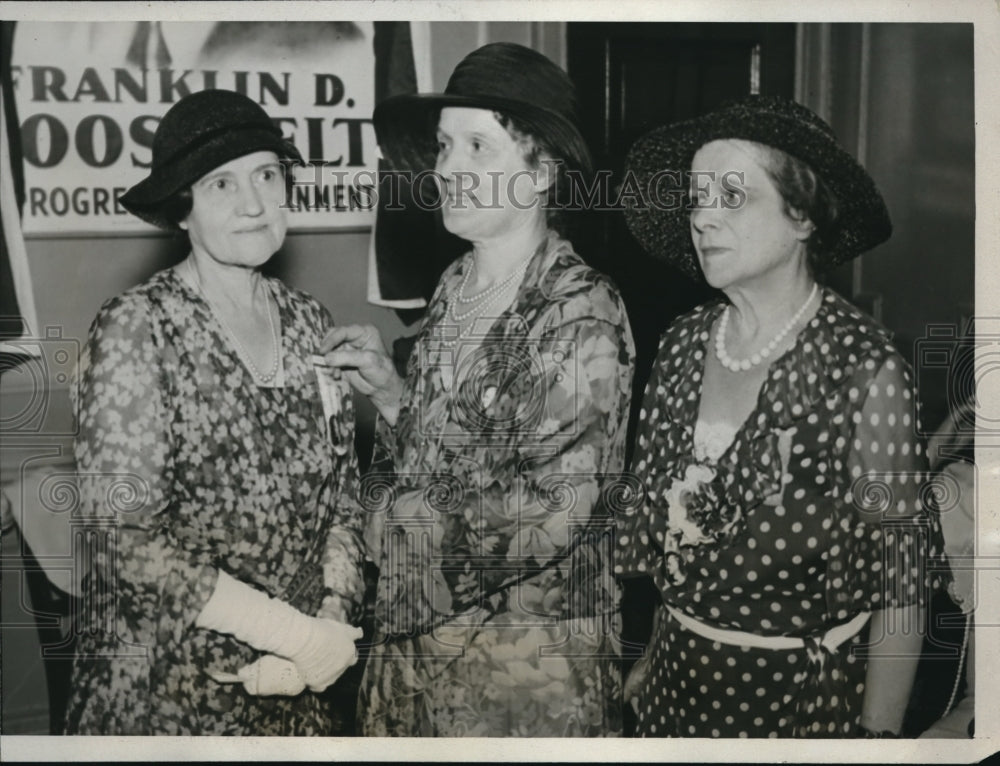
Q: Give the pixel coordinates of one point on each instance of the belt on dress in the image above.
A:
(831, 640)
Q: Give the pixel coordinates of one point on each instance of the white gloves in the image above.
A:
(320, 650)
(268, 675)
(271, 675)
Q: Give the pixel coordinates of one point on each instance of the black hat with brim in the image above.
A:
(504, 77)
(196, 135)
(664, 229)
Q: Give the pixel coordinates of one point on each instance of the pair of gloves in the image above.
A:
(302, 651)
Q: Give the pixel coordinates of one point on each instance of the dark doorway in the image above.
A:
(630, 78)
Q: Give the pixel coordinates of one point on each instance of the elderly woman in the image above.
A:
(495, 601)
(209, 612)
(783, 522)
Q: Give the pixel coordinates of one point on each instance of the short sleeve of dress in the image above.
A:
(124, 456)
(890, 540)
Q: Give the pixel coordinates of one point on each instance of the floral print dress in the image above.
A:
(813, 514)
(186, 467)
(495, 612)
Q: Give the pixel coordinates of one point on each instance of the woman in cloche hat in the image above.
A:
(197, 387)
(494, 608)
(778, 446)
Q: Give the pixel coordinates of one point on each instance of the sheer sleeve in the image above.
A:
(376, 486)
(889, 539)
(634, 556)
(377, 489)
(125, 463)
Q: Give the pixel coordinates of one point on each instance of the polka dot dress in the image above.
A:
(813, 514)
(701, 688)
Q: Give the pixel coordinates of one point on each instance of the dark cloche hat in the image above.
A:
(505, 77)
(663, 230)
(196, 135)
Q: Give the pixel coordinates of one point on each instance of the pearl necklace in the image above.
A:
(745, 364)
(495, 287)
(484, 298)
(263, 377)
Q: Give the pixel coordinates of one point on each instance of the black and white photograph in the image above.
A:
(459, 381)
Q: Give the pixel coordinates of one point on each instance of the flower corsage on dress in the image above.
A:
(698, 513)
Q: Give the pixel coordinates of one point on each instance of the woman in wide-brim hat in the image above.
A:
(209, 612)
(494, 609)
(783, 522)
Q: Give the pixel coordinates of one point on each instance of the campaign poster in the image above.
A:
(89, 96)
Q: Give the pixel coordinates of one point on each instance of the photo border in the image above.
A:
(985, 15)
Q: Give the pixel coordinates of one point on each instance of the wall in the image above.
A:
(451, 41)
(926, 165)
(900, 97)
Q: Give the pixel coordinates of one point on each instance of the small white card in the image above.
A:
(332, 395)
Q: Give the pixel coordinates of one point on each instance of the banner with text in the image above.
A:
(90, 95)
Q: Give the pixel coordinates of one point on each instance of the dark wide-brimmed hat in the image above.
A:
(505, 77)
(196, 135)
(664, 229)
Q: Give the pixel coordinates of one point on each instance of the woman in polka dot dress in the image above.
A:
(783, 520)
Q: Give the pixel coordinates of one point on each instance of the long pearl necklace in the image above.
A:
(742, 365)
(484, 298)
(263, 377)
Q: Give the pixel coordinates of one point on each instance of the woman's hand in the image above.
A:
(893, 655)
(321, 649)
(359, 352)
(272, 675)
(635, 679)
(326, 651)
